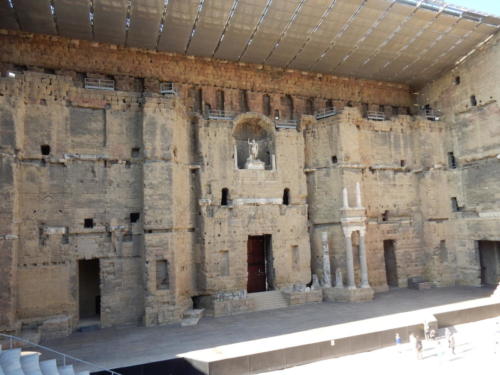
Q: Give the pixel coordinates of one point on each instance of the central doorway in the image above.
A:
(259, 258)
(489, 257)
(391, 267)
(89, 289)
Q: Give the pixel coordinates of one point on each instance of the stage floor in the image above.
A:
(120, 347)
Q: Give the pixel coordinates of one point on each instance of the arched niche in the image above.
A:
(249, 127)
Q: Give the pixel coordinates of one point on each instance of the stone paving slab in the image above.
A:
(119, 347)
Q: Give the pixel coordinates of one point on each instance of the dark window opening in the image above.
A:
(220, 100)
(134, 217)
(224, 197)
(286, 197)
(45, 149)
(244, 101)
(452, 162)
(395, 110)
(49, 71)
(88, 223)
(135, 152)
(310, 106)
(473, 101)
(427, 107)
(385, 215)
(381, 108)
(402, 163)
(162, 274)
(329, 103)
(276, 114)
(454, 205)
(208, 108)
(349, 104)
(334, 159)
(266, 105)
(457, 80)
(198, 100)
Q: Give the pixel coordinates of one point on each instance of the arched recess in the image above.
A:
(254, 126)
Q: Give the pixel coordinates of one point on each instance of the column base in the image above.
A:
(347, 295)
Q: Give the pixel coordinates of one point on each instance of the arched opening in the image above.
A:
(287, 105)
(254, 141)
(224, 197)
(220, 100)
(266, 105)
(286, 197)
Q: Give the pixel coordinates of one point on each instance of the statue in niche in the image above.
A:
(253, 149)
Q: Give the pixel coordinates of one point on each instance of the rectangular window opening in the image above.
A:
(88, 223)
(136, 151)
(45, 149)
(334, 159)
(162, 274)
(134, 217)
(452, 162)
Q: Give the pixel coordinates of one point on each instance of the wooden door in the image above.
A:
(256, 258)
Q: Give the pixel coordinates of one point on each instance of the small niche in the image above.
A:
(276, 114)
(334, 159)
(266, 105)
(88, 223)
(452, 162)
(385, 215)
(224, 197)
(454, 204)
(135, 152)
(457, 80)
(134, 217)
(286, 197)
(402, 163)
(45, 149)
(473, 100)
(162, 274)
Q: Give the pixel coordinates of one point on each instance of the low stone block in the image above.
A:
(347, 295)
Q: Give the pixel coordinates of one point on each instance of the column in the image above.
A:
(345, 198)
(358, 195)
(349, 259)
(327, 276)
(362, 259)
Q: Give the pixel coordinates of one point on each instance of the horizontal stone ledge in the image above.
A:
(9, 237)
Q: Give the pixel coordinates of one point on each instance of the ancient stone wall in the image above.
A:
(468, 97)
(136, 179)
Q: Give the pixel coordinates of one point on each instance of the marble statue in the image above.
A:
(253, 149)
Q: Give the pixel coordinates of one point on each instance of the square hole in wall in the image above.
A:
(334, 159)
(136, 151)
(45, 149)
(134, 217)
(88, 223)
(402, 163)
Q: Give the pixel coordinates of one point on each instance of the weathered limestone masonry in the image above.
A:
(158, 190)
(468, 96)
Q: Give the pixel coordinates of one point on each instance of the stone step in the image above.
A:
(268, 300)
(191, 317)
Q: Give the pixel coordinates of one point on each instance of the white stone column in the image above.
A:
(345, 198)
(349, 259)
(327, 276)
(358, 195)
(362, 259)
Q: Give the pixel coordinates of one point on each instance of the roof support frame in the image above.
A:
(337, 36)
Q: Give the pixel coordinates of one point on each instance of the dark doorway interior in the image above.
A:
(260, 270)
(391, 269)
(489, 256)
(89, 295)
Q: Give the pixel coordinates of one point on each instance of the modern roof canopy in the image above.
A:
(408, 41)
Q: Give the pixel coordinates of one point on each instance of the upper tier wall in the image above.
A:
(61, 53)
